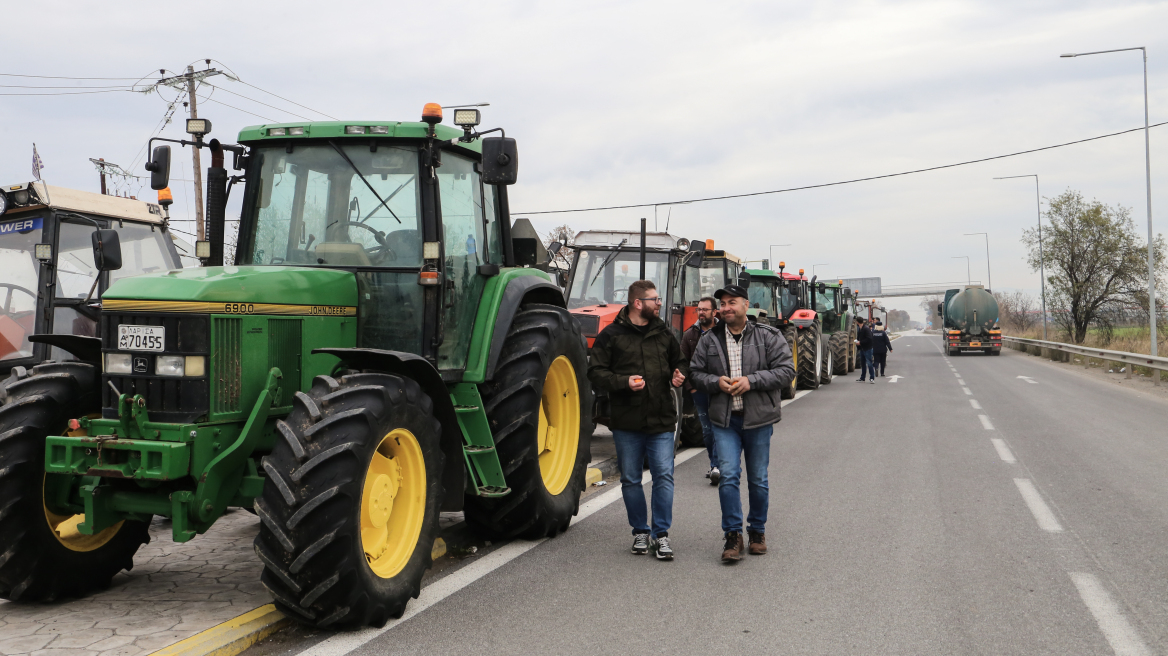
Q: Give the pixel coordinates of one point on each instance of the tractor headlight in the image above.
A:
(195, 365)
(117, 363)
(169, 365)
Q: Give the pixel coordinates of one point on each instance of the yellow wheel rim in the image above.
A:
(393, 503)
(559, 425)
(64, 527)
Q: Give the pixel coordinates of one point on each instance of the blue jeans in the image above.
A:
(866, 364)
(632, 449)
(732, 442)
(702, 404)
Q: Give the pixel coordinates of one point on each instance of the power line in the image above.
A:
(220, 102)
(257, 101)
(293, 102)
(841, 182)
(100, 86)
(64, 93)
(65, 77)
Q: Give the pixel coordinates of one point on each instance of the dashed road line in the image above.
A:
(1003, 451)
(1042, 512)
(985, 422)
(966, 390)
(975, 404)
(1120, 634)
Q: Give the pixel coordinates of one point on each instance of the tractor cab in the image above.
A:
(767, 296)
(606, 262)
(50, 285)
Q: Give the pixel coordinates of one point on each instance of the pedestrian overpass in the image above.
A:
(927, 289)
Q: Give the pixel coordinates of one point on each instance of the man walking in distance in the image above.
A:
(864, 346)
(638, 362)
(881, 347)
(689, 341)
(742, 365)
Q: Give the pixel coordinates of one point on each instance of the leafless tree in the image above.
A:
(566, 236)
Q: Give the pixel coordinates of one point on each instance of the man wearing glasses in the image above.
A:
(638, 362)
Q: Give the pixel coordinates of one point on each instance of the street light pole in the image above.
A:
(818, 265)
(1148, 181)
(968, 278)
(1041, 262)
(989, 276)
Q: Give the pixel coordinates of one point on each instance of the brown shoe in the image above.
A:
(733, 550)
(757, 543)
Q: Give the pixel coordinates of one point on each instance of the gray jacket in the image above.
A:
(766, 363)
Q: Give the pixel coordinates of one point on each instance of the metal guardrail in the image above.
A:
(1138, 359)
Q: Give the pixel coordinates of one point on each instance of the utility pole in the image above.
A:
(101, 169)
(105, 168)
(187, 82)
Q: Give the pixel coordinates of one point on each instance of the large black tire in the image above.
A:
(838, 343)
(788, 392)
(827, 371)
(36, 562)
(853, 350)
(539, 335)
(311, 510)
(810, 357)
(691, 426)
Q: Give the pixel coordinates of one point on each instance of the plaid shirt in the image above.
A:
(734, 353)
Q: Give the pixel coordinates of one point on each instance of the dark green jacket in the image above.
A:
(622, 350)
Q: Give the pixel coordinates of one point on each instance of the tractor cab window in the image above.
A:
(143, 250)
(18, 285)
(713, 276)
(788, 301)
(825, 301)
(313, 208)
(762, 296)
(596, 282)
(463, 232)
(76, 276)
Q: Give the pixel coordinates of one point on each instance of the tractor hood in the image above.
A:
(595, 318)
(269, 285)
(803, 318)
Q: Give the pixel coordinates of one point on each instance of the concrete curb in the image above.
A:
(605, 467)
(231, 637)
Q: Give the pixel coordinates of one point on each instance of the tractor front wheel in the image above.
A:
(537, 406)
(838, 343)
(788, 392)
(42, 554)
(349, 510)
(811, 358)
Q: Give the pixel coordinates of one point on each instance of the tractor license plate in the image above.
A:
(140, 338)
(975, 343)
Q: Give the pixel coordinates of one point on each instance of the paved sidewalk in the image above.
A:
(173, 592)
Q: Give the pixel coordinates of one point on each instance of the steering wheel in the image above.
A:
(381, 252)
(7, 309)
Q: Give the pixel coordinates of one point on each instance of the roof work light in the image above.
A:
(198, 126)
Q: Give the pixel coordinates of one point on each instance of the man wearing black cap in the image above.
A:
(742, 366)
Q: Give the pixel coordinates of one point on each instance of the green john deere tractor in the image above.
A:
(820, 316)
(768, 298)
(377, 353)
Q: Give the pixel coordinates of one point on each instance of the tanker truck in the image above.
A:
(970, 321)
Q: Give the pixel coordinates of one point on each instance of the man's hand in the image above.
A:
(725, 384)
(636, 383)
(678, 378)
(740, 386)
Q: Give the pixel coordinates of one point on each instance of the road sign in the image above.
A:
(866, 286)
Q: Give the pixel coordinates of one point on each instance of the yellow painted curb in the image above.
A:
(231, 637)
(593, 476)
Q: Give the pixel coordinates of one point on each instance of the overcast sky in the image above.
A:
(625, 102)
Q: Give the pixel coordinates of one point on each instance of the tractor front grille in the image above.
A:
(168, 399)
(227, 364)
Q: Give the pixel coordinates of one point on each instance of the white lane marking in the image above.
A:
(967, 392)
(954, 373)
(1120, 634)
(798, 395)
(985, 422)
(342, 643)
(1003, 450)
(893, 378)
(1029, 380)
(975, 404)
(1042, 513)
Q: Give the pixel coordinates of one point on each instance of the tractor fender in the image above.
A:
(520, 290)
(420, 370)
(87, 349)
(804, 318)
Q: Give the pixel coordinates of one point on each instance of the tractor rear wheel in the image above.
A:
(788, 392)
(827, 373)
(537, 406)
(350, 507)
(839, 352)
(42, 554)
(811, 350)
(853, 350)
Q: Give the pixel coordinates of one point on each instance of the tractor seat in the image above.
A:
(343, 253)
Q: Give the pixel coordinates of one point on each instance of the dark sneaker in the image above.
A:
(732, 552)
(859, 380)
(641, 544)
(715, 475)
(757, 543)
(661, 548)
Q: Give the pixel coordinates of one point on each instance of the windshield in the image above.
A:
(713, 276)
(592, 286)
(313, 208)
(18, 285)
(761, 294)
(789, 301)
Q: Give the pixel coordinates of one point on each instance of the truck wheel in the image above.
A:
(537, 406)
(810, 357)
(839, 353)
(42, 554)
(350, 506)
(788, 392)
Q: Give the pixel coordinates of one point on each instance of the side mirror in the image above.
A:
(822, 288)
(744, 280)
(793, 287)
(159, 167)
(107, 250)
(554, 248)
(500, 161)
(697, 252)
(847, 293)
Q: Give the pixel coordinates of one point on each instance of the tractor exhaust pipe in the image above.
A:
(216, 203)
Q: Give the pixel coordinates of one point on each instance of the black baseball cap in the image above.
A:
(731, 290)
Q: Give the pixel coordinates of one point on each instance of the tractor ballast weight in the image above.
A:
(374, 355)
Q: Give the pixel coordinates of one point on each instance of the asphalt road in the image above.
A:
(960, 509)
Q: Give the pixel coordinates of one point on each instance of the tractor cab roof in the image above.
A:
(39, 194)
(763, 274)
(608, 239)
(350, 130)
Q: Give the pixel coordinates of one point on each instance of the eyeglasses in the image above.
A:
(655, 299)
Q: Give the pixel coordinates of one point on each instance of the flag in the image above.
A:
(37, 164)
